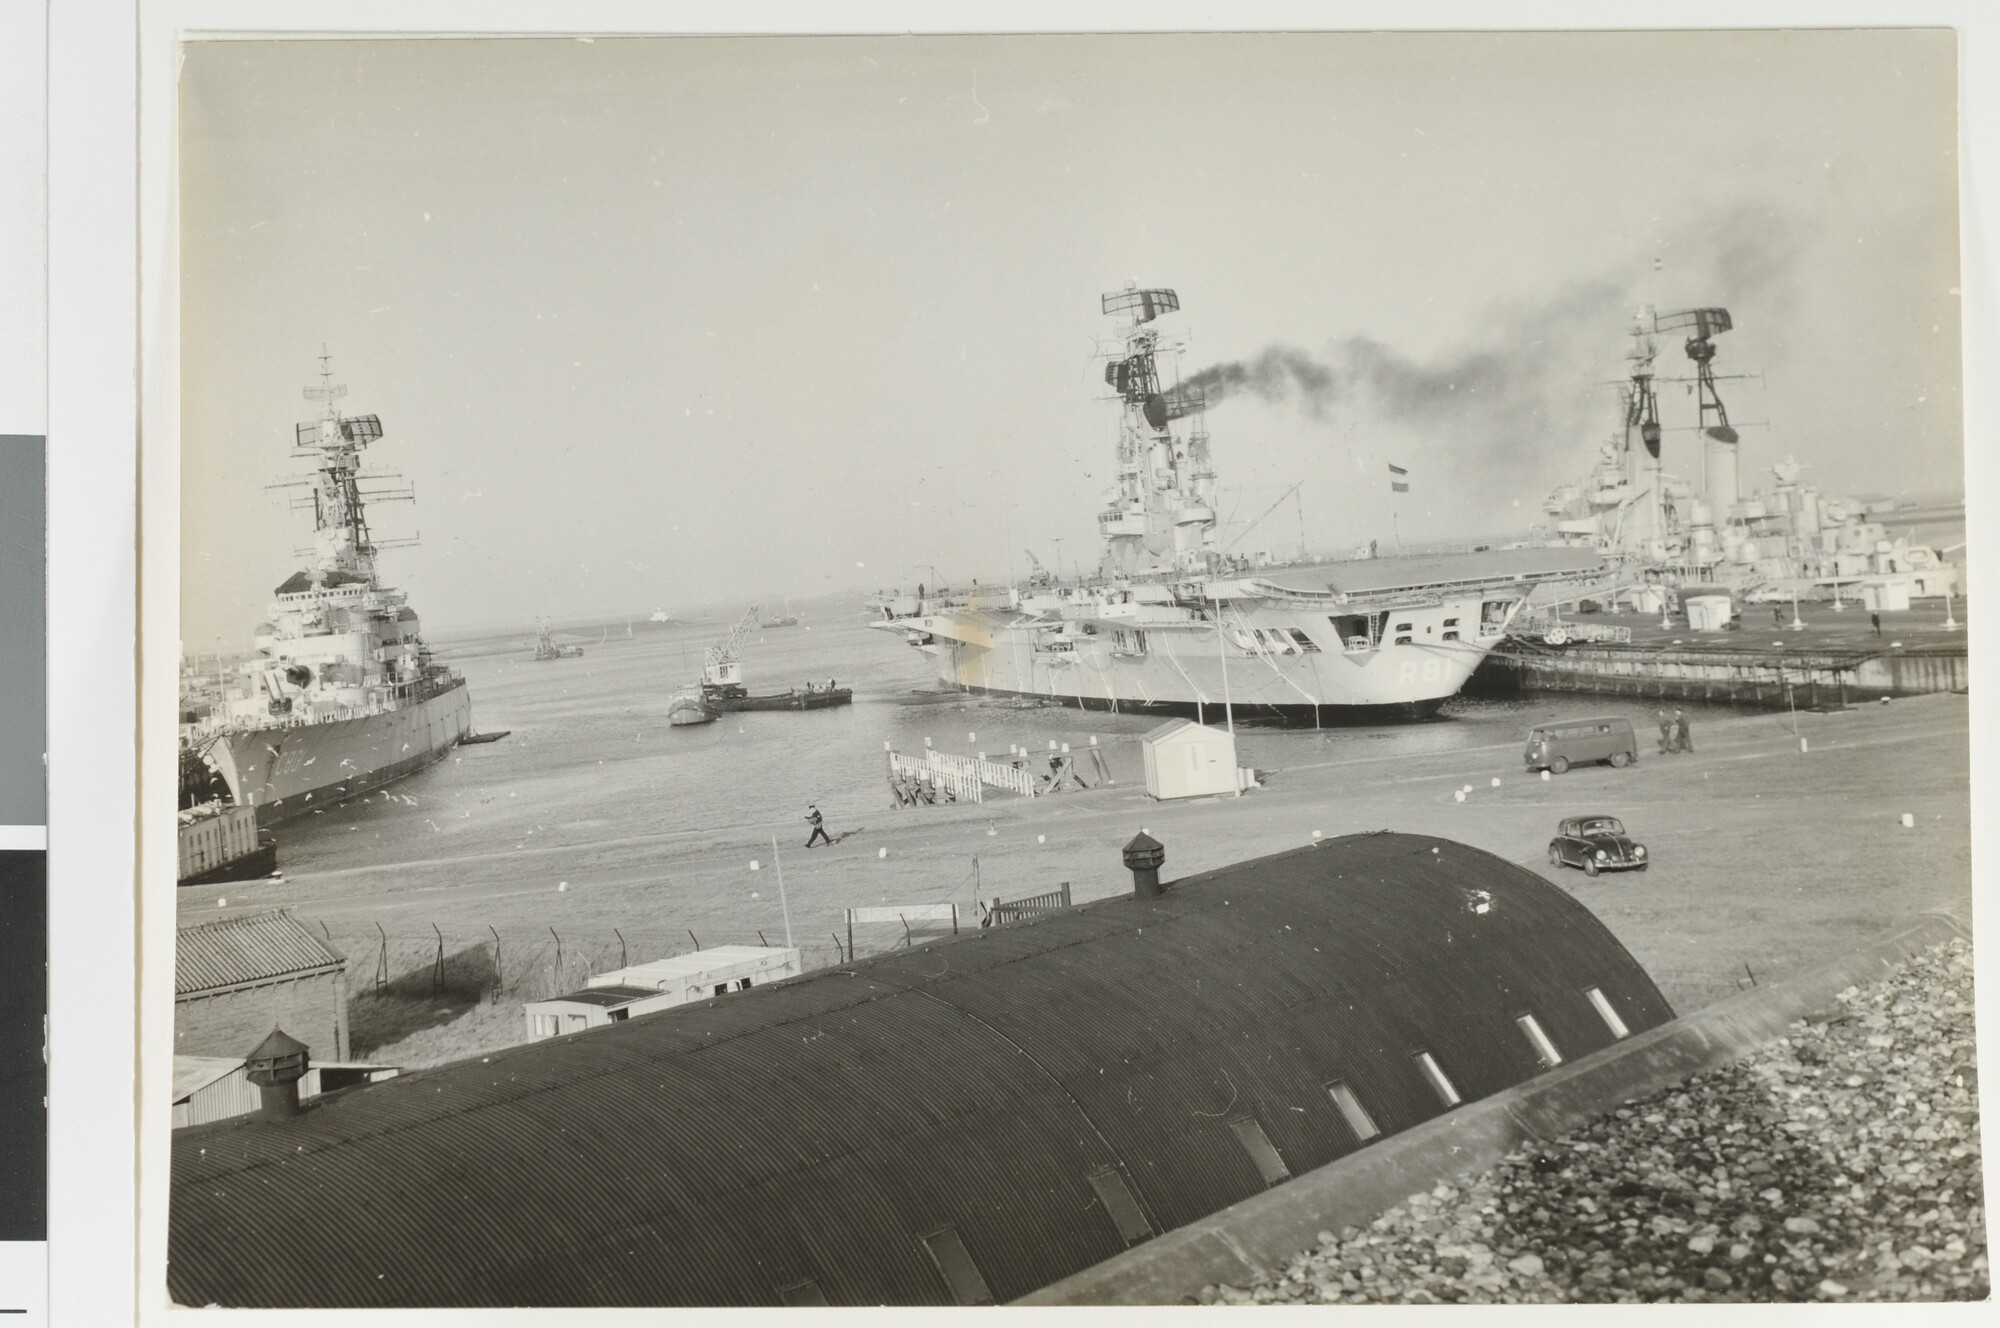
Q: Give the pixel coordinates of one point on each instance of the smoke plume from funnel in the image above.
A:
(1531, 387)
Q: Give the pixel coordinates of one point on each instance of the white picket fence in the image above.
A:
(967, 777)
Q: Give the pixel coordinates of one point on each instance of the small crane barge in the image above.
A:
(722, 688)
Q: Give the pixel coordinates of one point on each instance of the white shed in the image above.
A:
(1189, 760)
(1708, 610)
(1887, 594)
(642, 988)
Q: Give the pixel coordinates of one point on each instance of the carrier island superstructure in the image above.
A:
(1171, 624)
(342, 695)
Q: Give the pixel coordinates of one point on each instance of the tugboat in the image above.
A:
(1172, 624)
(546, 647)
(342, 695)
(688, 708)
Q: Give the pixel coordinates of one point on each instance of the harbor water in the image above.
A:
(591, 758)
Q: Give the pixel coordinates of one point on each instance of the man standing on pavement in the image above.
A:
(819, 828)
(1682, 739)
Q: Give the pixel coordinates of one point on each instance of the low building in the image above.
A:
(963, 1122)
(212, 1088)
(610, 998)
(1189, 760)
(238, 978)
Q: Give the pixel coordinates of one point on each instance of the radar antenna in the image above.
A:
(1705, 325)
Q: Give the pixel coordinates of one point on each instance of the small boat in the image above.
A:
(688, 708)
(547, 648)
(789, 619)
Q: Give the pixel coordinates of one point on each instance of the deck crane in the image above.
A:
(722, 669)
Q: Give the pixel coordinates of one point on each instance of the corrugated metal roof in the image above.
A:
(194, 1073)
(253, 948)
(820, 1128)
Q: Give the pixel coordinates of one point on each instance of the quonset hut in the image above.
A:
(963, 1122)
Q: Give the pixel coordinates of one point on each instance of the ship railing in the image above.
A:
(1557, 632)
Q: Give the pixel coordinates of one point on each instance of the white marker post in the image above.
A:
(783, 903)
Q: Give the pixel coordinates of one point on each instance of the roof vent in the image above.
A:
(276, 1068)
(1143, 857)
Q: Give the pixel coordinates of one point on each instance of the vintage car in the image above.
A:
(1595, 843)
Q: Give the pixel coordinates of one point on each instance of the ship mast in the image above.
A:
(1161, 514)
(342, 541)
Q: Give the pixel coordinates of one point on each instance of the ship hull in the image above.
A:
(288, 771)
(1182, 673)
(822, 700)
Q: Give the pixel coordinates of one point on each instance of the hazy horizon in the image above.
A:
(679, 321)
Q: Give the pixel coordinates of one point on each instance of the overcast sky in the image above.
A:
(658, 322)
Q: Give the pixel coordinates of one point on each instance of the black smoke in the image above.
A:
(1532, 386)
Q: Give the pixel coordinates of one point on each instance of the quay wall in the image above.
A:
(1741, 678)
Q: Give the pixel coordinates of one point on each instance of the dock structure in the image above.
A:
(1771, 677)
(1815, 657)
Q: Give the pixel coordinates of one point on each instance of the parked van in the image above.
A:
(1558, 746)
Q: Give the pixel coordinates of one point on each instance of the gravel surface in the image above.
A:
(1841, 1163)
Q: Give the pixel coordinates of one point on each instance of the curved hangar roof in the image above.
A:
(965, 1121)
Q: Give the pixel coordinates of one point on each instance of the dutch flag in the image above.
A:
(1397, 486)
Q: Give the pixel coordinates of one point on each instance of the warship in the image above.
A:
(341, 695)
(1171, 623)
(1665, 537)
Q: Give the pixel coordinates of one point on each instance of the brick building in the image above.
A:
(237, 979)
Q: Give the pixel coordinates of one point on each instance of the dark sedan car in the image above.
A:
(1596, 843)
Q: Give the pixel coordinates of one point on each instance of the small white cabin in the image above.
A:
(637, 989)
(1708, 611)
(1189, 760)
(1886, 594)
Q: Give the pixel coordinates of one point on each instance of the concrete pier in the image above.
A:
(1831, 658)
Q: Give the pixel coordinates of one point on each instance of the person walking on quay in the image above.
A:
(819, 828)
(1667, 744)
(1875, 621)
(1777, 616)
(1683, 740)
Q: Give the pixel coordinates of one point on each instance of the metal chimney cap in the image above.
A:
(278, 1059)
(1144, 853)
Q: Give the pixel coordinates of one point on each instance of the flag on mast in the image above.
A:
(1397, 486)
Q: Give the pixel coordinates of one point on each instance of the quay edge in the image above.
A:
(1774, 679)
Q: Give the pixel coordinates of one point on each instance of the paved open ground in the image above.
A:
(1765, 858)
